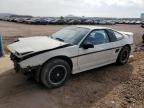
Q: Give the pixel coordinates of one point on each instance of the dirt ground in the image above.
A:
(107, 87)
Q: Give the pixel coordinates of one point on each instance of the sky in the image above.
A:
(88, 8)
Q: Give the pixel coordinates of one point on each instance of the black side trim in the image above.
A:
(95, 52)
(99, 51)
(40, 52)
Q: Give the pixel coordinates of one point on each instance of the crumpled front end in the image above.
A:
(19, 69)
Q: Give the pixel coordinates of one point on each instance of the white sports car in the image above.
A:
(52, 59)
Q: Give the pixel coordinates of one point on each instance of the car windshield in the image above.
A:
(71, 35)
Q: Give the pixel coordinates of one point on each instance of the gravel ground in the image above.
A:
(111, 86)
(107, 87)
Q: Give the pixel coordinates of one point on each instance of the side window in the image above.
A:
(119, 36)
(97, 37)
(111, 35)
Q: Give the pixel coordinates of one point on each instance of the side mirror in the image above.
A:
(87, 45)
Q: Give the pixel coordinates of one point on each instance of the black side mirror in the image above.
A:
(87, 45)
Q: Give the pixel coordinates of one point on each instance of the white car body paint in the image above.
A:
(35, 44)
(100, 55)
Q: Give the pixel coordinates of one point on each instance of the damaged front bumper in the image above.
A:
(19, 69)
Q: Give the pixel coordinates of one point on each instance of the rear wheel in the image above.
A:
(123, 56)
(55, 73)
(143, 38)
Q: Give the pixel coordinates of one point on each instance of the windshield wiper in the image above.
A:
(59, 39)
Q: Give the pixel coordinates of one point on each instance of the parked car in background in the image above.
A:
(102, 22)
(89, 22)
(138, 22)
(28, 20)
(58, 21)
(49, 20)
(36, 21)
(74, 22)
(70, 20)
(19, 20)
(110, 22)
(69, 51)
(142, 25)
(42, 21)
(54, 21)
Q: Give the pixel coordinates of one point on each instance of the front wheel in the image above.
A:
(123, 56)
(55, 73)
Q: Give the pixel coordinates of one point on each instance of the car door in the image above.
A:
(97, 56)
(115, 38)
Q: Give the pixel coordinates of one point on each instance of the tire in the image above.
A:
(16, 68)
(143, 38)
(123, 56)
(54, 73)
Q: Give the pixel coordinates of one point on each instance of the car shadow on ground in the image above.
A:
(82, 90)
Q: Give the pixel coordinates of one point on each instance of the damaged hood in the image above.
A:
(34, 44)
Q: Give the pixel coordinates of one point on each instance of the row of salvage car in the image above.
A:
(68, 21)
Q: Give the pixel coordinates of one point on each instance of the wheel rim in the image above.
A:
(57, 74)
(124, 56)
